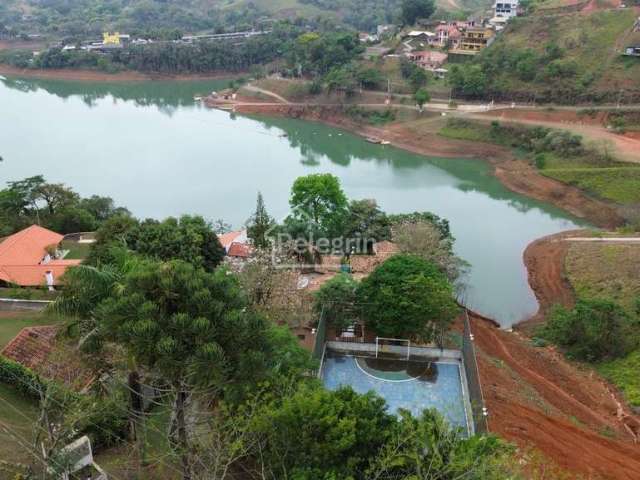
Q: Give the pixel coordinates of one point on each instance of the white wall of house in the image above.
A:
(506, 8)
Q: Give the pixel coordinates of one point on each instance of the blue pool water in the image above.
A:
(415, 388)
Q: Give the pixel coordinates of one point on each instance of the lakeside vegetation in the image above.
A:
(609, 271)
(52, 205)
(559, 154)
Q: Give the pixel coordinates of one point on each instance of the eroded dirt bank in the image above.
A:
(544, 259)
(517, 175)
(538, 399)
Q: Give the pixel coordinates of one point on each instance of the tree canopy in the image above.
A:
(259, 225)
(318, 199)
(188, 238)
(413, 10)
(52, 205)
(336, 300)
(407, 297)
(593, 330)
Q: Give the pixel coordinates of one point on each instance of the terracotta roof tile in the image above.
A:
(239, 250)
(226, 239)
(31, 346)
(21, 255)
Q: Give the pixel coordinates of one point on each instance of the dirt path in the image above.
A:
(626, 147)
(269, 93)
(536, 398)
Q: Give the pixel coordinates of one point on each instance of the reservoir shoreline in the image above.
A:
(515, 174)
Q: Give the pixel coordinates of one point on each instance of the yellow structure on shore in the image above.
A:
(111, 38)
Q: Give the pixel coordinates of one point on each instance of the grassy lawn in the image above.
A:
(17, 415)
(77, 251)
(615, 181)
(12, 322)
(597, 270)
(624, 373)
(27, 294)
(619, 184)
(474, 132)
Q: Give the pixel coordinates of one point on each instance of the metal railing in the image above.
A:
(321, 336)
(472, 373)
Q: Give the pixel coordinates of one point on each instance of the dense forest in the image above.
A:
(297, 51)
(361, 14)
(91, 17)
(81, 18)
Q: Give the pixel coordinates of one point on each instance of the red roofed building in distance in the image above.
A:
(229, 238)
(26, 260)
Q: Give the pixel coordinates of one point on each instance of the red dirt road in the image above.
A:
(536, 398)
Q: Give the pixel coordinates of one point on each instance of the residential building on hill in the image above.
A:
(448, 34)
(474, 40)
(428, 59)
(506, 8)
(31, 258)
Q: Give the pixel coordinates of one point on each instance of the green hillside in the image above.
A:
(82, 17)
(563, 57)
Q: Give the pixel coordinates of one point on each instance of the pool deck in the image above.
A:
(447, 392)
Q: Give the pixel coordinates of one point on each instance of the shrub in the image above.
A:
(23, 380)
(337, 298)
(594, 330)
(104, 421)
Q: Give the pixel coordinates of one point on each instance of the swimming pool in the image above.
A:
(413, 386)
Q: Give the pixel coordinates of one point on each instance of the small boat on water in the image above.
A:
(377, 141)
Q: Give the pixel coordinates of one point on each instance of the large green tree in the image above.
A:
(317, 434)
(191, 327)
(188, 238)
(260, 224)
(408, 297)
(52, 205)
(366, 221)
(317, 200)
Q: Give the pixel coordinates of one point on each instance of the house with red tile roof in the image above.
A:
(31, 346)
(36, 348)
(26, 260)
(229, 238)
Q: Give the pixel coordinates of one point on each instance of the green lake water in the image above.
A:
(153, 149)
